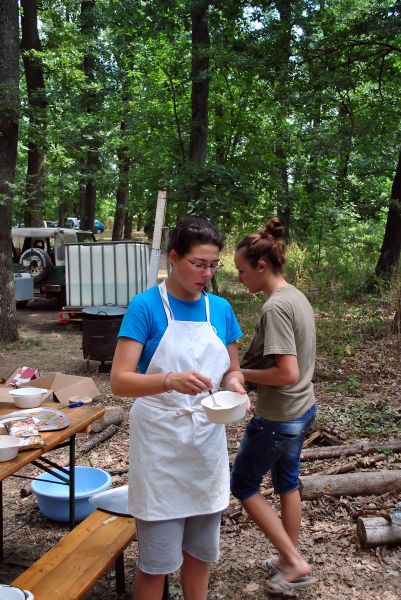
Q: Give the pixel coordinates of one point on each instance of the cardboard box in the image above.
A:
(62, 386)
(6, 400)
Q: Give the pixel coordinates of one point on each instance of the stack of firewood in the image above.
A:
(377, 528)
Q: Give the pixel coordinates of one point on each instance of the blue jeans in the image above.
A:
(270, 446)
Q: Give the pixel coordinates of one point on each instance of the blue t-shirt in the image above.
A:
(145, 320)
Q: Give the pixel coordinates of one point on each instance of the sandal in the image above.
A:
(278, 585)
(267, 564)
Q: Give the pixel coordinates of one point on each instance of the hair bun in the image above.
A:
(274, 228)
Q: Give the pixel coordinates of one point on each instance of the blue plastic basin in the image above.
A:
(53, 497)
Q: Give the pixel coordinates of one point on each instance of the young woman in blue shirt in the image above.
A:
(177, 342)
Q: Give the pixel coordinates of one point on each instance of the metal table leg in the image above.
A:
(1, 522)
(120, 573)
(72, 482)
(67, 478)
(166, 595)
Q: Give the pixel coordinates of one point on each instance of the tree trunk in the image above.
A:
(89, 32)
(128, 224)
(35, 83)
(377, 531)
(62, 209)
(88, 199)
(219, 134)
(123, 187)
(396, 323)
(283, 50)
(9, 108)
(351, 484)
(345, 130)
(390, 251)
(200, 93)
(284, 206)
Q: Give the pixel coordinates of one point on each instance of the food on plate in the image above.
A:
(26, 431)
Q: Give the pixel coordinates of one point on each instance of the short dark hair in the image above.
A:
(192, 231)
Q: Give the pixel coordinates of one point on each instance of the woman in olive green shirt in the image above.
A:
(280, 363)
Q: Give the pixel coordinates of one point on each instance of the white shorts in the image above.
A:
(161, 543)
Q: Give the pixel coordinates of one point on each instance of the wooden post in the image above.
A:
(157, 236)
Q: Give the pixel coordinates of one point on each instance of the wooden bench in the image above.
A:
(72, 567)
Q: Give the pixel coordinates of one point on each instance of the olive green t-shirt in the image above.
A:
(286, 326)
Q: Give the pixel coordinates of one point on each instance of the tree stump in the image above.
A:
(377, 531)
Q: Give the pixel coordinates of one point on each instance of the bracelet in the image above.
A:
(164, 382)
(243, 371)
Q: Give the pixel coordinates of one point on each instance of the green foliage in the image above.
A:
(373, 419)
(353, 385)
(303, 113)
(296, 265)
(247, 309)
(329, 253)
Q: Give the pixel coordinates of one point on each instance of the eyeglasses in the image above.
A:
(204, 266)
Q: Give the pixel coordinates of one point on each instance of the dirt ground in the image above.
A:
(344, 570)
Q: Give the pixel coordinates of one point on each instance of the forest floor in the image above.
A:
(357, 390)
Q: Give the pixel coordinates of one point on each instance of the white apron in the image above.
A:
(178, 459)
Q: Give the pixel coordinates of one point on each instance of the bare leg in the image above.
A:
(194, 577)
(291, 514)
(148, 587)
(292, 565)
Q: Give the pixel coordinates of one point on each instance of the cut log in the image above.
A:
(311, 438)
(361, 463)
(97, 439)
(322, 437)
(371, 512)
(377, 531)
(351, 484)
(336, 451)
(118, 471)
(112, 416)
(330, 438)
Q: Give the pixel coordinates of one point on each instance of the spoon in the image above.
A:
(214, 399)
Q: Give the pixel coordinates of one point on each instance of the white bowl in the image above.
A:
(9, 592)
(9, 445)
(28, 397)
(232, 407)
(114, 500)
